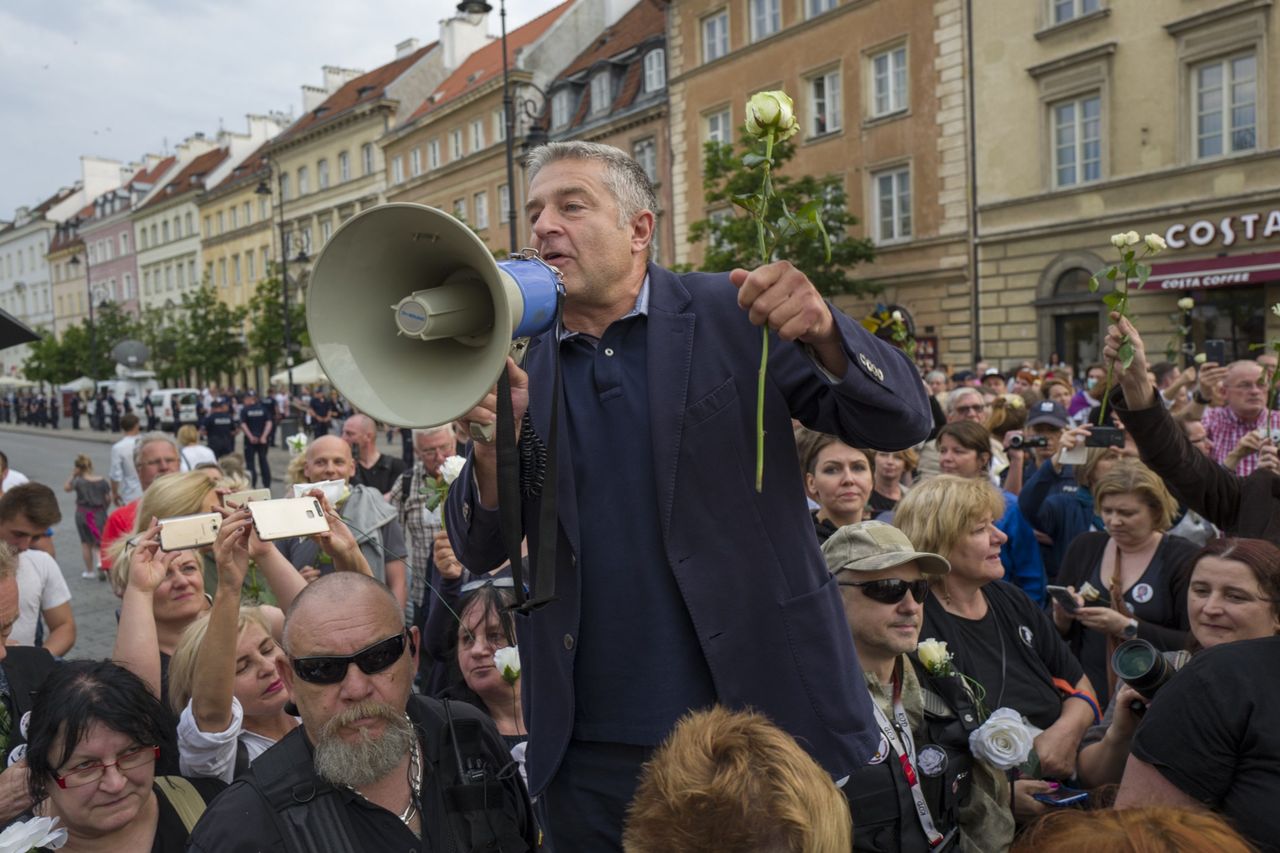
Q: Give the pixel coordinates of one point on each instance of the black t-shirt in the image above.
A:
(1212, 733)
(879, 503)
(1014, 652)
(321, 407)
(255, 417)
(381, 475)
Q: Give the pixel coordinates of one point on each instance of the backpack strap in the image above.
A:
(308, 813)
(184, 798)
(241, 766)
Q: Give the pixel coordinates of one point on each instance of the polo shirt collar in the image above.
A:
(641, 308)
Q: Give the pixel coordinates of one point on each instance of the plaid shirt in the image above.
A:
(1225, 431)
(420, 526)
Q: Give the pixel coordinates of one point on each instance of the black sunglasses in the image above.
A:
(371, 659)
(891, 590)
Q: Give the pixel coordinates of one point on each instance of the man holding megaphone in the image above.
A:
(678, 585)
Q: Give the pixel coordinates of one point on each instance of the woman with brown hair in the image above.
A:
(838, 478)
(891, 468)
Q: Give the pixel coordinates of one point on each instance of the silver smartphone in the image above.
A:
(286, 517)
(183, 532)
(236, 500)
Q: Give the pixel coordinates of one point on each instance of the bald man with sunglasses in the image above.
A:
(922, 790)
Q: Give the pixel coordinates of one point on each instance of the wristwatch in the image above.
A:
(1131, 630)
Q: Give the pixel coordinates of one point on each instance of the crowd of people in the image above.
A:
(963, 610)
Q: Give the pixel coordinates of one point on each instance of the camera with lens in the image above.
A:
(1144, 668)
(1020, 441)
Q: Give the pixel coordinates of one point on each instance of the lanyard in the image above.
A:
(898, 734)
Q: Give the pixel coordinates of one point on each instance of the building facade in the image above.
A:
(68, 273)
(237, 228)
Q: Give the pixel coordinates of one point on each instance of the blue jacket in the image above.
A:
(767, 613)
(1021, 554)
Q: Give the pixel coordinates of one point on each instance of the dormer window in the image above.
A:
(601, 92)
(364, 90)
(562, 103)
(655, 70)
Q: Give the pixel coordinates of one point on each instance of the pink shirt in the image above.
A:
(1225, 431)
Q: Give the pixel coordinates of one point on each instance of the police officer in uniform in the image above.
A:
(257, 423)
(923, 789)
(219, 428)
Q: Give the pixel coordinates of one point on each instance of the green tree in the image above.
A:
(266, 332)
(210, 342)
(163, 334)
(731, 240)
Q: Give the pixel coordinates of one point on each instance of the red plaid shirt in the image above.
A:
(1225, 431)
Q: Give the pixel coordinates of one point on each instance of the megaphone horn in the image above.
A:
(412, 318)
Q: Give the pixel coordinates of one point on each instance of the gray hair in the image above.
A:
(147, 438)
(623, 176)
(963, 391)
(435, 430)
(935, 374)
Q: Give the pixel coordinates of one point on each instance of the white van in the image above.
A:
(175, 407)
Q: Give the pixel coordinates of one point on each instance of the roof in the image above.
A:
(364, 89)
(250, 168)
(192, 175)
(149, 176)
(645, 23)
(67, 235)
(486, 63)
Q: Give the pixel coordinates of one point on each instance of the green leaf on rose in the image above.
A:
(1144, 271)
(1112, 272)
(752, 160)
(748, 202)
(1113, 299)
(1125, 354)
(1093, 284)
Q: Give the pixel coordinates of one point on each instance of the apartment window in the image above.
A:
(181, 277)
(262, 254)
(415, 162)
(235, 267)
(124, 243)
(128, 286)
(645, 152)
(322, 174)
(893, 205)
(504, 203)
(1226, 105)
(601, 92)
(1077, 141)
(93, 256)
(248, 213)
(455, 144)
(344, 166)
(222, 272)
(889, 81)
(222, 222)
(480, 204)
(766, 18)
(814, 8)
(715, 35)
(235, 218)
(142, 244)
(284, 187)
(249, 264)
(366, 157)
(397, 170)
(146, 281)
(208, 273)
(306, 239)
(718, 127)
(191, 271)
(326, 231)
(499, 126)
(433, 154)
(824, 103)
(655, 70)
(177, 228)
(304, 181)
(460, 209)
(477, 135)
(562, 104)
(164, 231)
(190, 228)
(1067, 10)
(264, 208)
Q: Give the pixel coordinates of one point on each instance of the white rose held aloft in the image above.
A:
(451, 468)
(1186, 303)
(772, 111)
(1201, 358)
(1275, 309)
(1132, 238)
(1155, 243)
(897, 317)
(1119, 241)
(507, 662)
(1004, 741)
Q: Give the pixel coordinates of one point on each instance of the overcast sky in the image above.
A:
(120, 78)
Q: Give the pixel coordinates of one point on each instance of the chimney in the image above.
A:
(312, 97)
(406, 47)
(461, 36)
(615, 9)
(335, 78)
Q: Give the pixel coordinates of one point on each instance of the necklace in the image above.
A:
(415, 783)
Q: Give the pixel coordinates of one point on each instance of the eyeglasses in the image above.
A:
(970, 410)
(891, 590)
(499, 583)
(371, 660)
(87, 774)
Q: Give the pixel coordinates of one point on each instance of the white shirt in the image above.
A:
(195, 454)
(212, 755)
(122, 470)
(13, 478)
(41, 587)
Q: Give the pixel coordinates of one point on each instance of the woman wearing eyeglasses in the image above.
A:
(998, 636)
(95, 735)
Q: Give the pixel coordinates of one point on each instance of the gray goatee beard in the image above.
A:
(371, 757)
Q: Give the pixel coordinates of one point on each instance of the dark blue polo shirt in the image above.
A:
(255, 417)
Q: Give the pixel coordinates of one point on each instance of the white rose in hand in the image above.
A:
(1155, 243)
(507, 662)
(1186, 303)
(34, 833)
(451, 468)
(1004, 741)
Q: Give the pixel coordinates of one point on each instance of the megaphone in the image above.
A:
(412, 318)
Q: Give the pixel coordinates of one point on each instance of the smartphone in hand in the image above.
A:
(1062, 797)
(1063, 596)
(184, 532)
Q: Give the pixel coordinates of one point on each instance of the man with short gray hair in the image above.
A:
(415, 496)
(154, 454)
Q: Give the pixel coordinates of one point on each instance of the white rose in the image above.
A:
(507, 662)
(1201, 358)
(1186, 303)
(296, 442)
(934, 655)
(451, 468)
(1003, 741)
(772, 111)
(1155, 243)
(29, 834)
(1119, 241)
(1275, 309)
(897, 317)
(1132, 238)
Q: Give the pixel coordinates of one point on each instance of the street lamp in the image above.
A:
(264, 188)
(480, 7)
(93, 329)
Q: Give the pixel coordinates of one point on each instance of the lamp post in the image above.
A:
(480, 7)
(93, 328)
(264, 188)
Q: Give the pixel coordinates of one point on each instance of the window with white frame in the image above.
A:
(235, 270)
(1069, 10)
(344, 166)
(306, 239)
(1225, 94)
(563, 100)
(189, 227)
(477, 135)
(250, 265)
(892, 204)
(322, 174)
(718, 127)
(655, 70)
(222, 272)
(455, 144)
(146, 281)
(814, 8)
(601, 92)
(499, 127)
(415, 162)
(326, 231)
(304, 180)
(480, 206)
(766, 18)
(155, 240)
(645, 152)
(366, 156)
(128, 286)
(164, 229)
(825, 107)
(284, 187)
(124, 243)
(235, 216)
(504, 203)
(460, 209)
(264, 208)
(182, 278)
(433, 154)
(191, 271)
(397, 170)
(1077, 140)
(889, 81)
(248, 213)
(715, 35)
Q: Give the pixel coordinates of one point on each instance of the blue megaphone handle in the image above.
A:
(540, 288)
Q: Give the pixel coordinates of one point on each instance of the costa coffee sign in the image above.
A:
(1214, 272)
(1228, 230)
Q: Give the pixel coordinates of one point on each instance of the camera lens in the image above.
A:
(1138, 663)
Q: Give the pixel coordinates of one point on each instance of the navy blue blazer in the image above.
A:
(767, 613)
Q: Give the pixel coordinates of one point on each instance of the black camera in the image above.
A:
(1140, 665)
(1018, 442)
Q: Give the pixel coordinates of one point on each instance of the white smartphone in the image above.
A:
(183, 532)
(332, 489)
(1077, 455)
(286, 517)
(236, 500)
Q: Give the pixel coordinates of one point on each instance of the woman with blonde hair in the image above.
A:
(93, 497)
(190, 451)
(170, 495)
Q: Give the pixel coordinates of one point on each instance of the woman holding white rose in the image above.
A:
(997, 635)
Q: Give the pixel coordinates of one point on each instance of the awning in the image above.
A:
(1214, 272)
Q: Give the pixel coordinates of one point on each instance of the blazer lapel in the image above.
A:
(670, 359)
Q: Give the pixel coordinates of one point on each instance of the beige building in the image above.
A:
(1095, 117)
(879, 87)
(70, 280)
(237, 227)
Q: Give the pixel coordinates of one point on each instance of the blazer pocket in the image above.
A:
(724, 394)
(818, 634)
